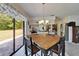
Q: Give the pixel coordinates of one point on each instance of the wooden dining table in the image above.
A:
(45, 41)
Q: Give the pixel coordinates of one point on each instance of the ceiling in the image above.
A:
(57, 9)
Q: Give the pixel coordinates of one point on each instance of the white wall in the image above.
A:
(27, 30)
(58, 22)
(74, 18)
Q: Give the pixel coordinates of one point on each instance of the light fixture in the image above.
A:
(43, 4)
(43, 21)
(46, 21)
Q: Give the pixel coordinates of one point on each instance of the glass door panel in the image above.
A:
(6, 35)
(18, 34)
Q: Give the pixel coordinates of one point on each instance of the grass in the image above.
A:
(6, 34)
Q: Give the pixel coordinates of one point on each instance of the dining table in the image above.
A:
(45, 41)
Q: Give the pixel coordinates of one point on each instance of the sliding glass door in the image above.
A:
(11, 35)
(6, 35)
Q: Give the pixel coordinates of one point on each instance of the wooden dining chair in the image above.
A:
(58, 47)
(32, 46)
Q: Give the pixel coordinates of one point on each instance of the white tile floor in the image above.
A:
(21, 52)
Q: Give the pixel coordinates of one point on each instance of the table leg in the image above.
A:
(63, 50)
(41, 53)
(51, 53)
(25, 43)
(45, 52)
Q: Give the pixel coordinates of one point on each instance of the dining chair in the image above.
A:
(32, 46)
(58, 47)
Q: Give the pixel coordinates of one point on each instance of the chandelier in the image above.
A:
(43, 21)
